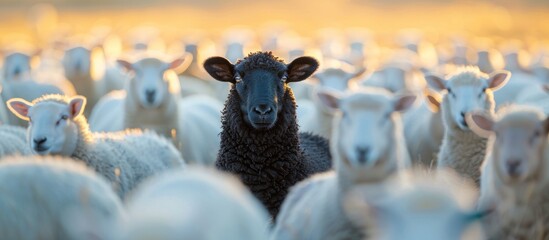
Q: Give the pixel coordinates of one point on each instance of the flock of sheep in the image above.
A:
(411, 141)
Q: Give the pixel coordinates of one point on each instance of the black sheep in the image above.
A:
(259, 140)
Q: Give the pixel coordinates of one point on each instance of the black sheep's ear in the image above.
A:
(220, 69)
(301, 68)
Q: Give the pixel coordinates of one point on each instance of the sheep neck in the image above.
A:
(84, 138)
(268, 162)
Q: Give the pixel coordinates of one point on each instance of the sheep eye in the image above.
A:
(238, 79)
(284, 78)
(536, 134)
(64, 117)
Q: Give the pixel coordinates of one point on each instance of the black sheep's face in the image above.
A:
(261, 90)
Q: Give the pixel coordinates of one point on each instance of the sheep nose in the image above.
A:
(150, 95)
(40, 141)
(263, 109)
(463, 119)
(16, 71)
(512, 166)
(362, 153)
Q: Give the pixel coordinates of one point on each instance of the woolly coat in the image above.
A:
(54, 198)
(125, 158)
(463, 151)
(269, 162)
(172, 205)
(424, 131)
(13, 141)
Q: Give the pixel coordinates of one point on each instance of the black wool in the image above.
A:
(268, 162)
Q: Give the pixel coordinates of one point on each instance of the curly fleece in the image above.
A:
(269, 162)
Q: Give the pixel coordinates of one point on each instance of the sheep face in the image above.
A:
(261, 81)
(77, 61)
(466, 92)
(150, 86)
(518, 145)
(16, 66)
(51, 129)
(364, 117)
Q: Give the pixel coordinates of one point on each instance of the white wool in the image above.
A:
(124, 158)
(13, 141)
(426, 206)
(194, 203)
(55, 198)
(520, 205)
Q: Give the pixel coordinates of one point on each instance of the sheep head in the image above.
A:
(363, 117)
(261, 81)
(51, 122)
(518, 144)
(467, 91)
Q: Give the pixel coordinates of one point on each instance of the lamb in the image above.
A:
(515, 174)
(466, 90)
(58, 127)
(428, 206)
(174, 205)
(368, 147)
(423, 129)
(55, 198)
(259, 138)
(152, 101)
(13, 141)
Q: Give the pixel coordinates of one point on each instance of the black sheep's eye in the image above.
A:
(284, 78)
(238, 79)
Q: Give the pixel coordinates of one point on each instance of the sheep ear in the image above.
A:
(546, 125)
(76, 106)
(301, 68)
(329, 99)
(433, 100)
(125, 64)
(404, 102)
(220, 69)
(436, 82)
(357, 73)
(545, 87)
(20, 107)
(498, 79)
(181, 64)
(480, 123)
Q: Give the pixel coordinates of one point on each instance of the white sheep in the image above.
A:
(515, 175)
(367, 147)
(58, 127)
(318, 120)
(55, 198)
(152, 102)
(13, 141)
(520, 81)
(85, 69)
(195, 203)
(427, 206)
(17, 66)
(467, 90)
(423, 129)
